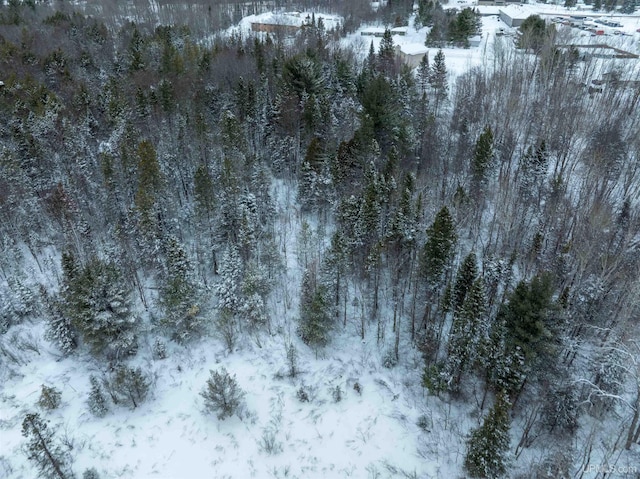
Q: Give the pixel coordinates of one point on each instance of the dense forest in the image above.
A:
(487, 225)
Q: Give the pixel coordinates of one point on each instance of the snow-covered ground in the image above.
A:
(368, 433)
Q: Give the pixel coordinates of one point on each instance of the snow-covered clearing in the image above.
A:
(372, 432)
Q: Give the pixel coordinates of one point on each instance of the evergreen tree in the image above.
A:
(50, 398)
(255, 289)
(423, 74)
(180, 298)
(315, 181)
(247, 234)
(534, 32)
(149, 187)
(628, 6)
(482, 156)
(465, 277)
(222, 394)
(96, 300)
(97, 401)
(386, 53)
(60, 330)
(597, 5)
(438, 78)
(533, 170)
(204, 192)
(315, 317)
(129, 386)
(529, 323)
(52, 460)
(470, 330)
(488, 445)
(228, 289)
(439, 248)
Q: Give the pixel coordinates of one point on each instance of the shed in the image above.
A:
(515, 15)
(411, 53)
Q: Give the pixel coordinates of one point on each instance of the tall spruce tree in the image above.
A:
(469, 332)
(488, 446)
(315, 313)
(438, 78)
(438, 250)
(466, 275)
(52, 461)
(529, 322)
(97, 300)
(482, 157)
(179, 295)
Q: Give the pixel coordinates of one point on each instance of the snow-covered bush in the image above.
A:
(97, 401)
(302, 395)
(91, 473)
(336, 394)
(269, 442)
(50, 398)
(389, 360)
(159, 349)
(222, 395)
(129, 386)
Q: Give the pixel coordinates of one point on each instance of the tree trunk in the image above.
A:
(43, 445)
(634, 429)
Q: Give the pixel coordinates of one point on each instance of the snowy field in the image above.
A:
(370, 433)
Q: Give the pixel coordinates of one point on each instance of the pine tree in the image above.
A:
(180, 298)
(438, 78)
(129, 386)
(315, 318)
(628, 6)
(423, 74)
(59, 327)
(97, 301)
(482, 156)
(149, 187)
(41, 448)
(203, 192)
(386, 53)
(247, 234)
(470, 330)
(527, 317)
(255, 289)
(488, 445)
(533, 170)
(222, 394)
(314, 185)
(50, 398)
(228, 290)
(438, 250)
(97, 401)
(465, 277)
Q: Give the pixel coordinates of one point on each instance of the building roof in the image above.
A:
(413, 49)
(519, 12)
